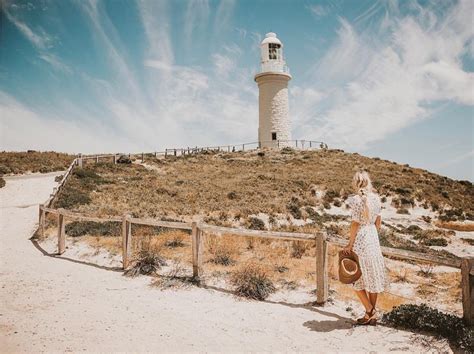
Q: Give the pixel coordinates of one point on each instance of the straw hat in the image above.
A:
(349, 269)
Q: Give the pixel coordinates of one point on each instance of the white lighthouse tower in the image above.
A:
(274, 128)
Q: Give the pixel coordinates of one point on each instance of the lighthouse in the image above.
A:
(274, 128)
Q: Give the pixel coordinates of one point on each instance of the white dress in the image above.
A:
(374, 277)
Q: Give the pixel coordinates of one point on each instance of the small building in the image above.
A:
(274, 128)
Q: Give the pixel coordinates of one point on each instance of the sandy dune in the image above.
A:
(50, 304)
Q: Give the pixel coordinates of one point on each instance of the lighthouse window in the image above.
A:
(274, 136)
(273, 51)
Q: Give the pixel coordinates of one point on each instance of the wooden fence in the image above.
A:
(321, 241)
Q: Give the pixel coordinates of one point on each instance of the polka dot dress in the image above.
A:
(374, 277)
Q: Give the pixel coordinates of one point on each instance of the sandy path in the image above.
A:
(52, 304)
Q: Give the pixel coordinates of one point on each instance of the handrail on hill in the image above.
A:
(197, 228)
(298, 144)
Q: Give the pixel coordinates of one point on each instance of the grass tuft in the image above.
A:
(252, 281)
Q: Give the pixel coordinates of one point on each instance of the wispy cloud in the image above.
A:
(223, 15)
(56, 63)
(196, 18)
(318, 10)
(40, 39)
(24, 129)
(383, 79)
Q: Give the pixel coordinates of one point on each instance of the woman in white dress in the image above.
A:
(364, 242)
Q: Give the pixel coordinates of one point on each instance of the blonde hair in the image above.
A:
(363, 186)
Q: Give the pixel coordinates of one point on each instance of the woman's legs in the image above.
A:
(373, 299)
(364, 299)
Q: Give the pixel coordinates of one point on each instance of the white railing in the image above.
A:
(274, 67)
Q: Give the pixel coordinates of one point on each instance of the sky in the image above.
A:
(389, 79)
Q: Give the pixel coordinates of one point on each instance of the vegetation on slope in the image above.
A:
(33, 161)
(233, 185)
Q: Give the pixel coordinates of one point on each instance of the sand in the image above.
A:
(55, 304)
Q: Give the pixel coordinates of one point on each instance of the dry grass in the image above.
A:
(252, 280)
(225, 185)
(23, 162)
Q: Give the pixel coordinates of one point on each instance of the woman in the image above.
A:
(364, 242)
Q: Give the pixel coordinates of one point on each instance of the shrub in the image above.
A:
(287, 150)
(231, 195)
(403, 211)
(58, 178)
(2, 182)
(294, 210)
(385, 237)
(146, 261)
(256, 223)
(469, 241)
(403, 191)
(176, 240)
(81, 228)
(70, 197)
(298, 248)
(438, 241)
(4, 169)
(252, 281)
(422, 318)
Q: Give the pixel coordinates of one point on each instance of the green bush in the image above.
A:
(81, 228)
(422, 318)
(70, 197)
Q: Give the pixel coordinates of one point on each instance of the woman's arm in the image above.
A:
(352, 236)
(378, 222)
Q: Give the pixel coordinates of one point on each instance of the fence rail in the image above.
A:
(198, 229)
(299, 144)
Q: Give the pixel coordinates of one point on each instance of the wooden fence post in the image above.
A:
(322, 287)
(61, 234)
(197, 251)
(79, 161)
(126, 241)
(143, 157)
(42, 215)
(115, 159)
(467, 284)
(97, 159)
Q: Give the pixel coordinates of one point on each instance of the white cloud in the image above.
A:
(196, 18)
(23, 129)
(40, 39)
(318, 10)
(223, 15)
(380, 80)
(56, 63)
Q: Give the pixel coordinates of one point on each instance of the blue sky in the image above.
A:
(392, 79)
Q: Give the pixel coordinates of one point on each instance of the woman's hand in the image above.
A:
(348, 249)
